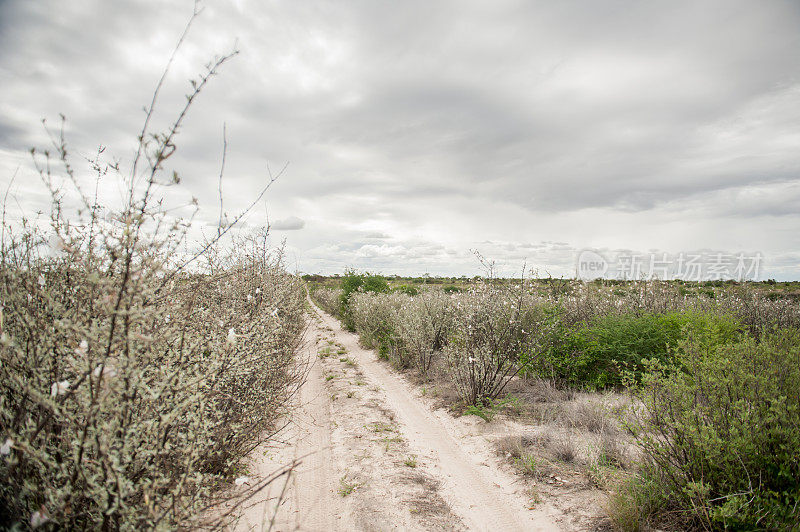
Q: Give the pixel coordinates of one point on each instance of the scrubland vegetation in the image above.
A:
(136, 374)
(706, 433)
(130, 396)
(139, 369)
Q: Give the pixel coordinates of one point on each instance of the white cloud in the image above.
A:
(292, 223)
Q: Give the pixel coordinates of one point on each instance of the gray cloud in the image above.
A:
(415, 130)
(292, 223)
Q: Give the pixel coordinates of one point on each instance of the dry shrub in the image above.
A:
(407, 330)
(498, 331)
(129, 391)
(133, 379)
(758, 313)
(537, 448)
(328, 299)
(540, 439)
(540, 391)
(373, 317)
(612, 451)
(423, 326)
(488, 334)
(544, 413)
(525, 452)
(585, 335)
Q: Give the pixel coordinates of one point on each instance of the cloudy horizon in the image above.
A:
(415, 133)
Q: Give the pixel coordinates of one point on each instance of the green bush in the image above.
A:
(721, 426)
(357, 282)
(407, 290)
(600, 354)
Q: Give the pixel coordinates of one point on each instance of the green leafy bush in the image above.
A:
(407, 290)
(353, 282)
(721, 427)
(599, 354)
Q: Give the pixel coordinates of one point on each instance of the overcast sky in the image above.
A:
(418, 131)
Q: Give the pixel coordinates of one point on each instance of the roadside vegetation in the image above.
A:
(685, 396)
(138, 367)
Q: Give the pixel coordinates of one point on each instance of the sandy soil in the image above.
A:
(377, 455)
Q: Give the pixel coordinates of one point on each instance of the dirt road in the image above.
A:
(376, 456)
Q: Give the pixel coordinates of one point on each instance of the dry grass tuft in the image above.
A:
(563, 449)
(591, 416)
(613, 451)
(511, 446)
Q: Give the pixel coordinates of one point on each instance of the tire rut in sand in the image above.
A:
(482, 496)
(383, 485)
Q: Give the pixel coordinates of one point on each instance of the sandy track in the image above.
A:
(314, 483)
(306, 499)
(357, 423)
(484, 497)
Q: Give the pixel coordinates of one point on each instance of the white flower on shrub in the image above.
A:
(275, 313)
(59, 388)
(221, 323)
(41, 280)
(39, 517)
(5, 449)
(166, 318)
(471, 360)
(104, 370)
(241, 481)
(231, 336)
(82, 349)
(258, 291)
(57, 246)
(249, 297)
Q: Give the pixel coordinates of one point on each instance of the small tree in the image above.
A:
(357, 282)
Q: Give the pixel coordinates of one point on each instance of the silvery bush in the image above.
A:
(135, 375)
